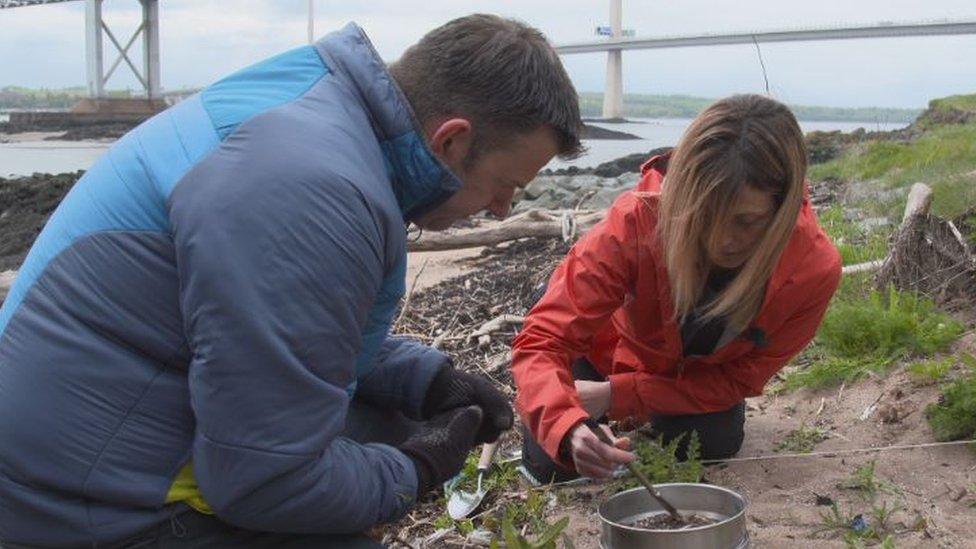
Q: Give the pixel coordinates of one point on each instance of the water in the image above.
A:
(665, 132)
(25, 158)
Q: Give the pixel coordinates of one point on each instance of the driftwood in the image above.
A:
(534, 223)
(919, 202)
(928, 255)
(483, 333)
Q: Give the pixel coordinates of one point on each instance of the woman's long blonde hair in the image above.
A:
(741, 140)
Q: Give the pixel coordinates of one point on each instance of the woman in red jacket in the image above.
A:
(697, 287)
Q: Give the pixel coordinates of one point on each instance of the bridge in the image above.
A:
(96, 31)
(616, 43)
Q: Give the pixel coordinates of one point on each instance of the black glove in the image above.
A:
(453, 389)
(438, 450)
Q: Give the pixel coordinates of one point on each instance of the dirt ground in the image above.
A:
(933, 489)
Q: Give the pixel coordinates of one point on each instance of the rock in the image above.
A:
(596, 132)
(628, 180)
(570, 182)
(538, 186)
(872, 191)
(602, 199)
(873, 223)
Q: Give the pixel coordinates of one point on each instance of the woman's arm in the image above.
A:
(586, 288)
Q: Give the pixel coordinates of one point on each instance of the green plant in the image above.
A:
(546, 540)
(802, 440)
(828, 371)
(870, 333)
(888, 324)
(943, 155)
(954, 416)
(857, 531)
(660, 462)
(931, 371)
(855, 243)
(502, 475)
(868, 484)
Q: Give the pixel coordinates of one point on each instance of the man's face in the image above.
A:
(493, 178)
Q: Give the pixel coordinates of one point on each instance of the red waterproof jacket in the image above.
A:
(609, 300)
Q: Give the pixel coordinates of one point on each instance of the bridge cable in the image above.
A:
(761, 62)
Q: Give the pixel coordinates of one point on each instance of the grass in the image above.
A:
(866, 482)
(863, 334)
(802, 440)
(954, 416)
(887, 324)
(944, 157)
(545, 540)
(931, 371)
(873, 528)
(855, 243)
(858, 531)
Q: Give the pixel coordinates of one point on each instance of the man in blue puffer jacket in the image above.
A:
(196, 348)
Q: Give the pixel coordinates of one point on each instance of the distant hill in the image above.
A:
(20, 98)
(687, 106)
(591, 105)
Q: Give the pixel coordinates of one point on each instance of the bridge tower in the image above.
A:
(613, 93)
(96, 30)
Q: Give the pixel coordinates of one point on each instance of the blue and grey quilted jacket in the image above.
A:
(215, 290)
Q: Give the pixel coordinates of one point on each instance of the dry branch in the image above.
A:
(534, 223)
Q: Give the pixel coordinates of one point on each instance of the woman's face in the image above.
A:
(737, 238)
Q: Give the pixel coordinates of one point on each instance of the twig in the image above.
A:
(406, 301)
(401, 541)
(494, 325)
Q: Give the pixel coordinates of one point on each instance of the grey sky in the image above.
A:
(202, 40)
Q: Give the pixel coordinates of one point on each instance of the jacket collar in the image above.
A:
(799, 246)
(420, 181)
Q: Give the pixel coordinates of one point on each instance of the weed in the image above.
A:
(953, 417)
(930, 371)
(857, 531)
(868, 484)
(802, 440)
(855, 243)
(888, 324)
(869, 334)
(546, 540)
(660, 462)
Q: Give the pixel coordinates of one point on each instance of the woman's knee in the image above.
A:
(719, 434)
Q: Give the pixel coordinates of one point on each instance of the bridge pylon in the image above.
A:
(613, 93)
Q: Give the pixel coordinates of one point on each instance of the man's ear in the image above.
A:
(451, 141)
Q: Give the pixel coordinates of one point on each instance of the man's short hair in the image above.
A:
(501, 74)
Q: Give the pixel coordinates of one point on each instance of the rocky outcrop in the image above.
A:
(584, 192)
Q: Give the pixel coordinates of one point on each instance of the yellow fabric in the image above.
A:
(185, 489)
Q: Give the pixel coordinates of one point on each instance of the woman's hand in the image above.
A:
(595, 396)
(593, 458)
